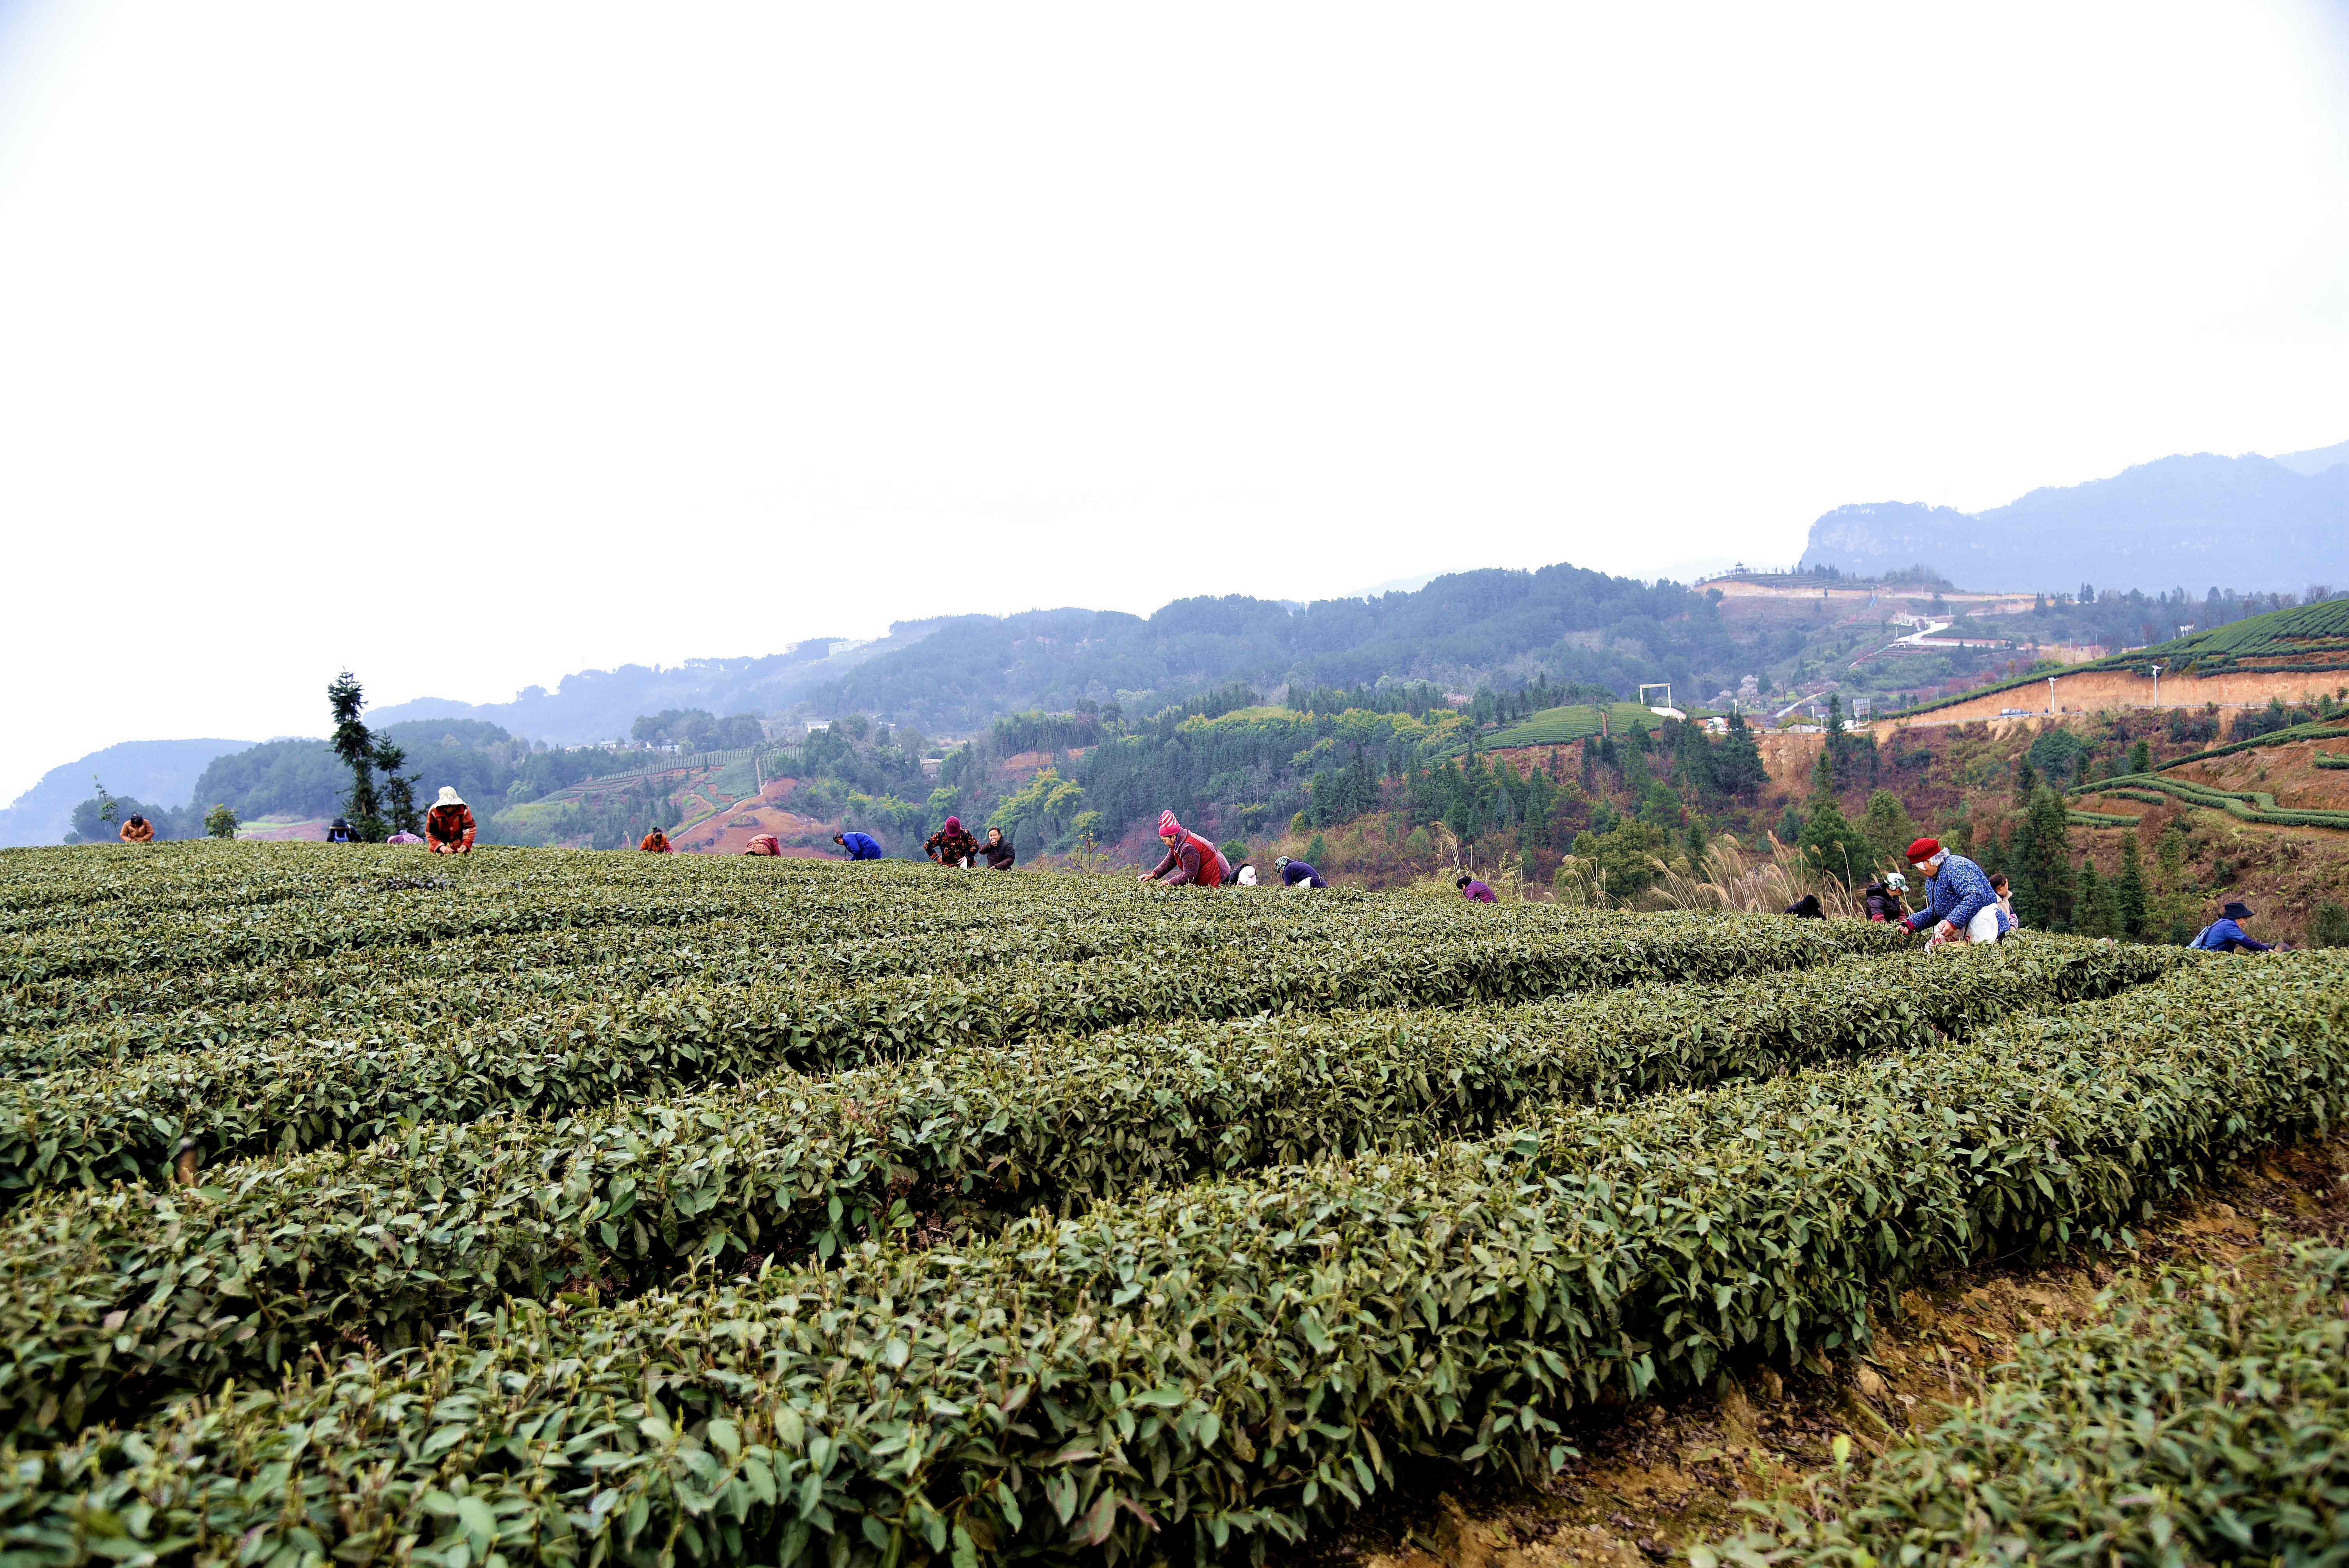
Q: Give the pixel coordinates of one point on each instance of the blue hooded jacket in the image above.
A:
(860, 846)
(2225, 936)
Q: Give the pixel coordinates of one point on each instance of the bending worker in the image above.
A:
(860, 846)
(1297, 873)
(449, 826)
(1191, 861)
(1885, 898)
(137, 830)
(1963, 906)
(952, 845)
(656, 843)
(2225, 935)
(1476, 889)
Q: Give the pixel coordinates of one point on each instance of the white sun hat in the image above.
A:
(449, 797)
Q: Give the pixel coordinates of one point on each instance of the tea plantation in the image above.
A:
(555, 1207)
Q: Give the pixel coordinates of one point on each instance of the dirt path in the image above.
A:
(1660, 1477)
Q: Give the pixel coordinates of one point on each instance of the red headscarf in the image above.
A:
(764, 844)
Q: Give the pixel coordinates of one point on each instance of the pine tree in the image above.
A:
(1737, 764)
(1987, 850)
(2026, 779)
(2141, 756)
(1829, 842)
(2098, 913)
(2129, 888)
(356, 746)
(1889, 827)
(2042, 865)
(399, 790)
(1541, 798)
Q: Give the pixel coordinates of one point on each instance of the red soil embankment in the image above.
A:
(728, 831)
(1789, 758)
(2101, 691)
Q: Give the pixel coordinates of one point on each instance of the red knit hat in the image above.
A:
(1167, 826)
(1923, 849)
(954, 824)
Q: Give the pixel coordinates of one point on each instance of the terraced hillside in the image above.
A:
(566, 1208)
(2288, 653)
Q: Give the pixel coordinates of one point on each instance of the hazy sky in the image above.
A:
(467, 346)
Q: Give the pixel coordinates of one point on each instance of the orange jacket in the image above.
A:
(138, 833)
(449, 828)
(657, 841)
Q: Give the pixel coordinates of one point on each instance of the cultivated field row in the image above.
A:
(636, 1210)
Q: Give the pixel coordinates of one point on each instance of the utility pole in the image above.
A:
(2051, 694)
(2157, 686)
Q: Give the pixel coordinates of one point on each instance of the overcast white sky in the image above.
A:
(467, 346)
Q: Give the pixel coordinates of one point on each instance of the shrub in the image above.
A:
(2190, 1420)
(1246, 1358)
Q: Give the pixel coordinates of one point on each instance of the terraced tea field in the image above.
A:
(555, 1207)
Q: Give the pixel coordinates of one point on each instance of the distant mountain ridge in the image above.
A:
(163, 772)
(600, 704)
(2251, 522)
(2316, 459)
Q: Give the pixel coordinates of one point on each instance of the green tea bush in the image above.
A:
(2197, 1417)
(1206, 1371)
(135, 1292)
(134, 1121)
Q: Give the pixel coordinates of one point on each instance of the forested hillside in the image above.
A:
(1471, 628)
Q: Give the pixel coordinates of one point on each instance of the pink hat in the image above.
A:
(954, 824)
(1167, 826)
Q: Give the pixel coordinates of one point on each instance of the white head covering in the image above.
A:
(449, 797)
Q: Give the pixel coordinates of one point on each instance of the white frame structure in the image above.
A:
(1663, 686)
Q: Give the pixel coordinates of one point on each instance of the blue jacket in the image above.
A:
(1960, 890)
(2226, 936)
(860, 846)
(1297, 872)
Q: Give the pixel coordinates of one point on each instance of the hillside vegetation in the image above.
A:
(1459, 630)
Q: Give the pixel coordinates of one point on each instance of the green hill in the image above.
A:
(1557, 726)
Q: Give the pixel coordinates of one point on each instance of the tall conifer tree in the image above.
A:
(356, 746)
